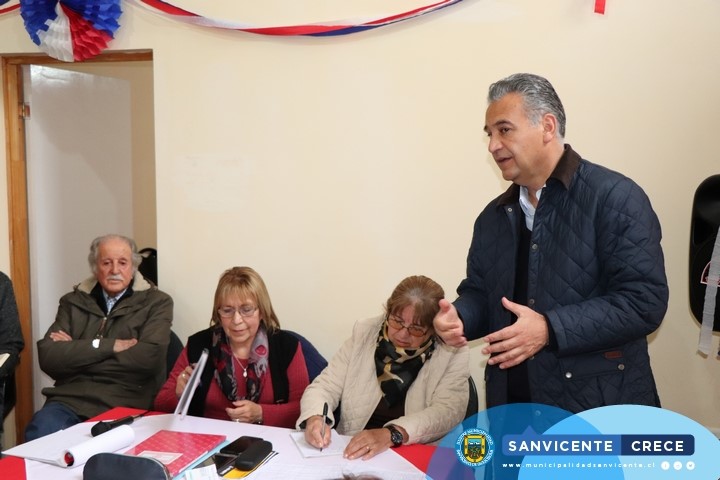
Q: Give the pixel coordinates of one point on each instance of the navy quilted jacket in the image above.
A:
(596, 272)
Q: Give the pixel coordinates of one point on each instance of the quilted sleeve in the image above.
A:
(630, 294)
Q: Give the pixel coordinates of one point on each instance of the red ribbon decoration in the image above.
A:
(9, 9)
(339, 27)
(87, 41)
(600, 7)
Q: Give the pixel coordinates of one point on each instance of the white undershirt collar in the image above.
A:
(527, 207)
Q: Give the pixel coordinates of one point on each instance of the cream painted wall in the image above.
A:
(140, 78)
(337, 166)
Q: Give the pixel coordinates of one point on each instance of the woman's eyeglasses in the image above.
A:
(245, 311)
(414, 330)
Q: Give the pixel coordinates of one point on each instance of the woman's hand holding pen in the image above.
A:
(313, 432)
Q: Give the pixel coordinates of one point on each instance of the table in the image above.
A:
(13, 468)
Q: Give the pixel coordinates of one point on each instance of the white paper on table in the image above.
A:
(202, 473)
(260, 467)
(347, 469)
(193, 382)
(288, 463)
(337, 445)
(54, 447)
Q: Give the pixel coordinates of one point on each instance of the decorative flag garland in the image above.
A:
(7, 6)
(75, 30)
(71, 30)
(14, 5)
(600, 7)
(332, 28)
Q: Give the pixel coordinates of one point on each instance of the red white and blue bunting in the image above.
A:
(74, 30)
(7, 6)
(71, 30)
(328, 28)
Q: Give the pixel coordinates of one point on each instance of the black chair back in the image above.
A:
(174, 350)
(472, 407)
(314, 360)
(148, 265)
(9, 395)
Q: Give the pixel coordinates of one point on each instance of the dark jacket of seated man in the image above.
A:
(108, 344)
(11, 340)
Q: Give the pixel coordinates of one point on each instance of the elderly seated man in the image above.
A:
(108, 345)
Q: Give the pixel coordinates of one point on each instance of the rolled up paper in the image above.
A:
(110, 441)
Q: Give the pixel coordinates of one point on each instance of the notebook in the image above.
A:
(193, 382)
(337, 445)
(177, 450)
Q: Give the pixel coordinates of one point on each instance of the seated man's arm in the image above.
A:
(152, 339)
(11, 339)
(61, 358)
(61, 352)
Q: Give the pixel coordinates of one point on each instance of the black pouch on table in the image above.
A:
(115, 466)
(253, 455)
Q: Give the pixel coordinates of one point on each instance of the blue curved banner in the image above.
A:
(539, 442)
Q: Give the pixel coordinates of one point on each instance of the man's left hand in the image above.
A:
(60, 336)
(121, 345)
(521, 340)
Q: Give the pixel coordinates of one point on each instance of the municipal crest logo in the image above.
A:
(474, 447)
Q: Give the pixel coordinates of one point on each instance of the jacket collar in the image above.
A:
(138, 284)
(564, 172)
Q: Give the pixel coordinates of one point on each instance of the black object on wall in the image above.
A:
(704, 224)
(148, 265)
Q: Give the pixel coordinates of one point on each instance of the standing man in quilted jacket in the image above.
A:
(108, 345)
(565, 273)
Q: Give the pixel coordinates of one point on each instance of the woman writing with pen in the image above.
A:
(395, 382)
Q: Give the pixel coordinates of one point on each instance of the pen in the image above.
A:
(324, 420)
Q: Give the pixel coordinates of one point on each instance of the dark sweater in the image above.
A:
(282, 347)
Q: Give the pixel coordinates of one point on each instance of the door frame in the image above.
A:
(15, 154)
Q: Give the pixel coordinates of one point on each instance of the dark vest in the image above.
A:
(518, 381)
(281, 350)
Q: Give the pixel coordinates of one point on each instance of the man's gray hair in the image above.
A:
(538, 94)
(95, 247)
